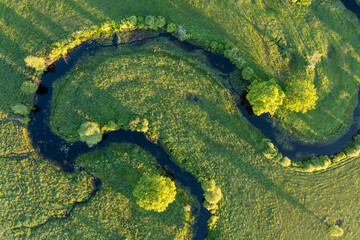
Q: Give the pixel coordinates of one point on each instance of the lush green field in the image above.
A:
(113, 213)
(196, 119)
(278, 38)
(32, 190)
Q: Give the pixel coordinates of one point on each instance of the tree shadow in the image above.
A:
(24, 28)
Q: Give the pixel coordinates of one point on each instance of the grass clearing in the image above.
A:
(207, 135)
(32, 190)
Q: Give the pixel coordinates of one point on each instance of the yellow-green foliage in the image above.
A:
(265, 97)
(32, 190)
(28, 87)
(90, 133)
(353, 149)
(35, 62)
(336, 231)
(21, 109)
(300, 96)
(154, 192)
(317, 163)
(247, 73)
(212, 194)
(14, 139)
(140, 126)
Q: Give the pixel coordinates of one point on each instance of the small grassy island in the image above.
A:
(297, 60)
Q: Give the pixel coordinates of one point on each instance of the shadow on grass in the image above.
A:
(250, 170)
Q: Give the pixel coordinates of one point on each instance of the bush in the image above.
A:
(35, 62)
(90, 133)
(212, 222)
(336, 231)
(247, 73)
(285, 161)
(316, 163)
(300, 96)
(338, 157)
(140, 23)
(183, 35)
(110, 126)
(171, 28)
(139, 126)
(155, 23)
(28, 87)
(302, 2)
(154, 192)
(353, 149)
(212, 194)
(265, 96)
(21, 109)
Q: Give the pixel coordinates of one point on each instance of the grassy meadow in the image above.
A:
(198, 123)
(33, 191)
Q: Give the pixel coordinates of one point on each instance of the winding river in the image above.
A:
(52, 147)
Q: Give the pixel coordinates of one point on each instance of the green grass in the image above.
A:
(32, 190)
(254, 26)
(113, 213)
(211, 139)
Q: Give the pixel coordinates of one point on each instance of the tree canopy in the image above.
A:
(90, 133)
(265, 96)
(35, 62)
(300, 96)
(154, 192)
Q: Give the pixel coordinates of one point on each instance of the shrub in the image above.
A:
(300, 96)
(212, 194)
(160, 22)
(90, 133)
(285, 161)
(353, 149)
(154, 192)
(336, 231)
(247, 73)
(28, 87)
(21, 109)
(25, 120)
(36, 63)
(265, 96)
(155, 23)
(338, 157)
(302, 2)
(110, 126)
(183, 35)
(139, 126)
(140, 23)
(320, 162)
(171, 28)
(212, 222)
